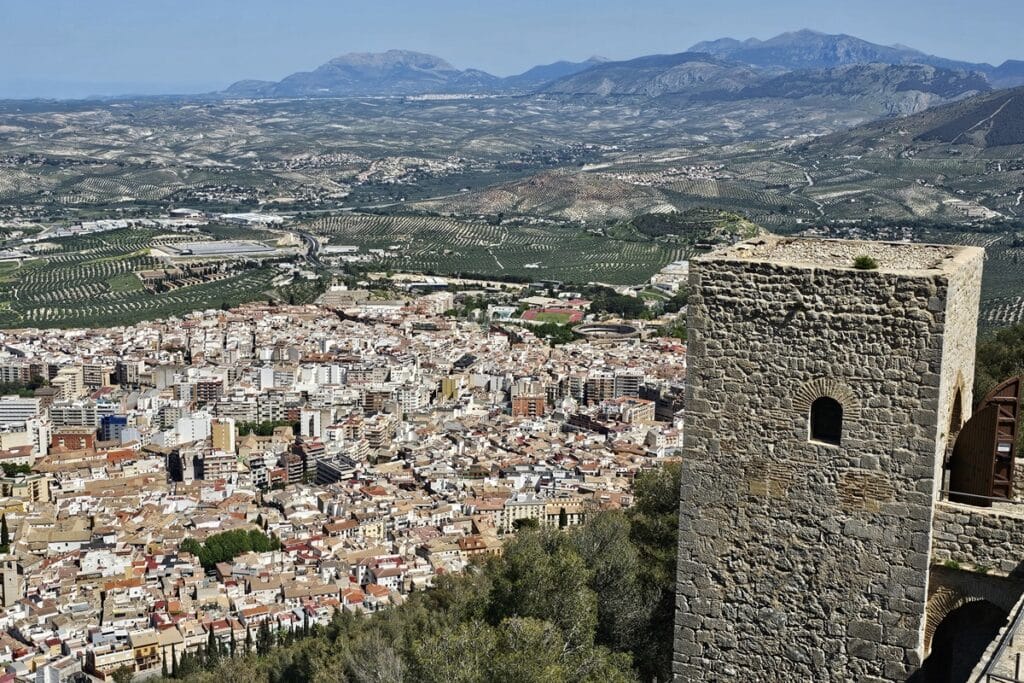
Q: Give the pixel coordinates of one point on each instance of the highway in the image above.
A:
(312, 249)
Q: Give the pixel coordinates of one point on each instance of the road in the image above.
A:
(312, 249)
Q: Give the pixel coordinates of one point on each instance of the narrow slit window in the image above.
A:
(826, 421)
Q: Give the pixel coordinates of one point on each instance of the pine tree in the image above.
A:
(163, 663)
(5, 534)
(248, 639)
(305, 624)
(174, 662)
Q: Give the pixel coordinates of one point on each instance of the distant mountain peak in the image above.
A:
(393, 72)
(810, 49)
(392, 58)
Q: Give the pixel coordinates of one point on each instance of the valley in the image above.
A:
(535, 178)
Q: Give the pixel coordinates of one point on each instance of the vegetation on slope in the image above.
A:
(594, 603)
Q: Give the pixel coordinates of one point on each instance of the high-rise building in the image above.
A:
(222, 434)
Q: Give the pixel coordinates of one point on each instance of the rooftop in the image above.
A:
(828, 253)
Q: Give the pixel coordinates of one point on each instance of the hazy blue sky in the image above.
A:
(80, 47)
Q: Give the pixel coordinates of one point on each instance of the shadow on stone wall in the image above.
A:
(960, 641)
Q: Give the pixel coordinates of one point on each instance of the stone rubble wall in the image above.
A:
(800, 560)
(972, 536)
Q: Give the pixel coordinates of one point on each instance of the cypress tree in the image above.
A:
(212, 647)
(5, 534)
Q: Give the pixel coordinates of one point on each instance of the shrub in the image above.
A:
(865, 262)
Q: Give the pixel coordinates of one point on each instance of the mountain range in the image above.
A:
(401, 72)
(791, 65)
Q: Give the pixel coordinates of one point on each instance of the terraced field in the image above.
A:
(89, 282)
(444, 245)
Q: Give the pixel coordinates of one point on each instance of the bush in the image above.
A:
(865, 262)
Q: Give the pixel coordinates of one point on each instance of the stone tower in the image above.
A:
(818, 410)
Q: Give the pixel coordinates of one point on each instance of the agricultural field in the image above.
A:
(552, 251)
(89, 281)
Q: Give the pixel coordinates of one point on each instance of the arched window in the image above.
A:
(826, 421)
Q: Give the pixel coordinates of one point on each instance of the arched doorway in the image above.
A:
(960, 640)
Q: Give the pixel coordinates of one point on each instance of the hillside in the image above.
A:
(657, 75)
(888, 89)
(898, 89)
(988, 121)
(563, 194)
(994, 122)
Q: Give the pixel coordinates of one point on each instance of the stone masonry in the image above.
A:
(989, 538)
(799, 559)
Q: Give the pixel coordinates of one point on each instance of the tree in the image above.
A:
(459, 655)
(525, 523)
(163, 664)
(264, 638)
(212, 647)
(5, 534)
(174, 662)
(231, 644)
(542, 576)
(654, 524)
(527, 650)
(563, 518)
(248, 639)
(999, 357)
(122, 674)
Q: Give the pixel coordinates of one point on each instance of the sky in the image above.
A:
(75, 48)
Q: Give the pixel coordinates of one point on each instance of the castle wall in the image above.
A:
(801, 560)
(978, 537)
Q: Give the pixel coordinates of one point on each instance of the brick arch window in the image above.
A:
(826, 420)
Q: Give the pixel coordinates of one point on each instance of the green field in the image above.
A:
(89, 282)
(542, 252)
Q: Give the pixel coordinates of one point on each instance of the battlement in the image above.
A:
(891, 257)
